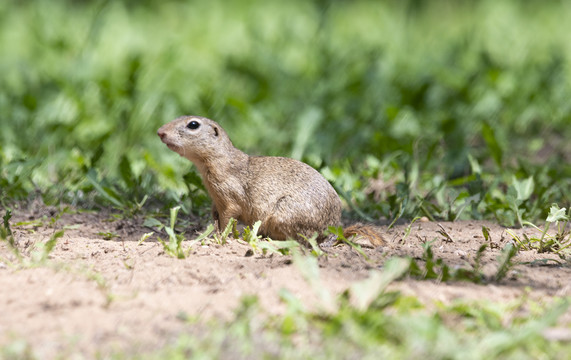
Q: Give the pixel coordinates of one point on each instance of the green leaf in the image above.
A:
(92, 177)
(222, 239)
(309, 269)
(205, 234)
(489, 136)
(251, 235)
(126, 172)
(174, 212)
(523, 188)
(505, 261)
(6, 220)
(145, 237)
(366, 291)
(341, 237)
(192, 178)
(313, 242)
(281, 247)
(556, 214)
(474, 165)
(170, 232)
(307, 122)
(486, 233)
(51, 243)
(152, 222)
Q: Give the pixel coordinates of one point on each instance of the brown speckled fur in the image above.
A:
(288, 196)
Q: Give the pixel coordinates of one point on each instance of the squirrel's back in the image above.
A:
(292, 195)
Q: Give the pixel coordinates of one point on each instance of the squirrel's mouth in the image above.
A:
(176, 148)
(170, 145)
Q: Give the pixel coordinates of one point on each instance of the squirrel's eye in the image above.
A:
(193, 125)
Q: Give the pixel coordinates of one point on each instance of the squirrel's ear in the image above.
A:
(215, 130)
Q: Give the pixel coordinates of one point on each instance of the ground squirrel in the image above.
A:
(290, 197)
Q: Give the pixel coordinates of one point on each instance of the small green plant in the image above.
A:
(252, 238)
(309, 269)
(251, 235)
(17, 349)
(477, 266)
(229, 229)
(312, 241)
(282, 247)
(435, 268)
(558, 243)
(174, 246)
(106, 235)
(519, 192)
(6, 230)
(205, 234)
(145, 237)
(102, 285)
(409, 229)
(42, 250)
(123, 198)
(505, 261)
(445, 234)
(50, 222)
(6, 234)
(370, 291)
(338, 231)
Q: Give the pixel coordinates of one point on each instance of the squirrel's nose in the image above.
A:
(161, 133)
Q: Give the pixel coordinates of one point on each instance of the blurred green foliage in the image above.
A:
(368, 321)
(410, 108)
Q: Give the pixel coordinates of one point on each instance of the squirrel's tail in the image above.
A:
(366, 232)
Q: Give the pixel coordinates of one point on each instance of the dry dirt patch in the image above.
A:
(95, 296)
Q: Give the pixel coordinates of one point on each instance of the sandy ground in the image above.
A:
(95, 296)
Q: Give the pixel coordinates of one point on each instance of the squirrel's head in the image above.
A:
(196, 138)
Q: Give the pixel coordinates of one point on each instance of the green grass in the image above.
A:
(558, 243)
(369, 321)
(451, 104)
(35, 255)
